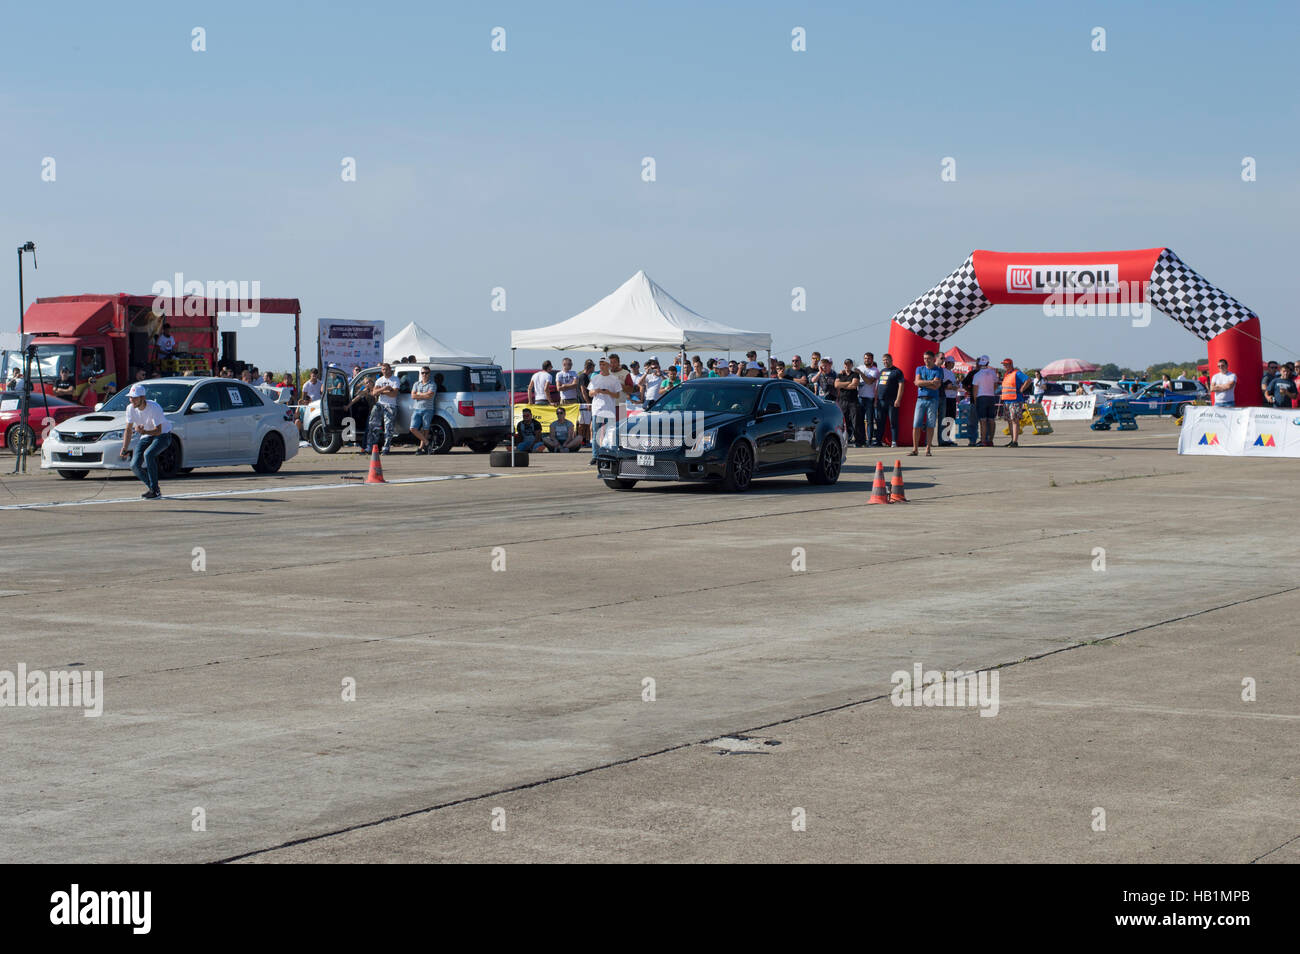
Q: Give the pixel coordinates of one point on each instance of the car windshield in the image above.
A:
(708, 397)
(170, 396)
(49, 359)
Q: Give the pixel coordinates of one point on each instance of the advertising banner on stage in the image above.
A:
(1241, 432)
(346, 343)
(1070, 407)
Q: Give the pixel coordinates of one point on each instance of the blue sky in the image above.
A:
(775, 168)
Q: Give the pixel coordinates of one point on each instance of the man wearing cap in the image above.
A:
(948, 402)
(147, 418)
(1015, 386)
(981, 385)
(889, 395)
(423, 395)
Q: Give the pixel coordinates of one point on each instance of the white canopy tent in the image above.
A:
(637, 316)
(415, 340)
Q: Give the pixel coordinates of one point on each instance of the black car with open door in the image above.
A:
(728, 431)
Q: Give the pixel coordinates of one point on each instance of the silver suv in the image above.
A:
(472, 406)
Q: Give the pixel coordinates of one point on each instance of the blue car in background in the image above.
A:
(1155, 399)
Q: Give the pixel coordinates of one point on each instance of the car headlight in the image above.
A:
(112, 435)
(706, 442)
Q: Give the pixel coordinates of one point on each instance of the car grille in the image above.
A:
(77, 437)
(83, 459)
(660, 468)
(647, 442)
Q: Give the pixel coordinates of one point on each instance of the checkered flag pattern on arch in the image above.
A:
(1196, 304)
(947, 307)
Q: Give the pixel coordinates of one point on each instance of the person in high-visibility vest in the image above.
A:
(1015, 390)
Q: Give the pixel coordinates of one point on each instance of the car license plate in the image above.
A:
(75, 451)
(645, 460)
(496, 415)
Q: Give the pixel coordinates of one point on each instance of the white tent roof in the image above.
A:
(639, 316)
(415, 340)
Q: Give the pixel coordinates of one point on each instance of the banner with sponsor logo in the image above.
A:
(346, 343)
(1069, 407)
(1240, 432)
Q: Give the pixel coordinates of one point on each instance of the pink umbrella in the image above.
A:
(1066, 366)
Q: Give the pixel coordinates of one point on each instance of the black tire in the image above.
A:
(73, 474)
(827, 470)
(441, 440)
(169, 461)
(1180, 411)
(184, 471)
(740, 468)
(618, 483)
(323, 441)
(501, 458)
(15, 435)
(483, 446)
(271, 454)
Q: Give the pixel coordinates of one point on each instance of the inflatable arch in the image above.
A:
(1074, 280)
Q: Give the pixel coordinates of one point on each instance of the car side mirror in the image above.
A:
(99, 406)
(199, 408)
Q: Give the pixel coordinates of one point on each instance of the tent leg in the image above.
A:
(512, 407)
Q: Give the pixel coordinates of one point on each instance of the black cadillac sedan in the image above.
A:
(727, 431)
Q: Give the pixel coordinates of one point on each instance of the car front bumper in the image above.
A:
(668, 465)
(94, 455)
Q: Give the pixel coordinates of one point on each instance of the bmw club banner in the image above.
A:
(1241, 432)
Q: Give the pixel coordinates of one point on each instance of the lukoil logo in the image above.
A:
(1045, 279)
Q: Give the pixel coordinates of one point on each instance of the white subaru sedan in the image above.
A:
(216, 422)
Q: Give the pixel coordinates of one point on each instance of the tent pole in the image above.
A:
(512, 406)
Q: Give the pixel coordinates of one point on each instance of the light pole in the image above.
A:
(24, 390)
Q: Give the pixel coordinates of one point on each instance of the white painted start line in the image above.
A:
(196, 495)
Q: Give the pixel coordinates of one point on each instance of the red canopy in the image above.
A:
(959, 356)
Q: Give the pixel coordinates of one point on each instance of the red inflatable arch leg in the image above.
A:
(1240, 347)
(907, 349)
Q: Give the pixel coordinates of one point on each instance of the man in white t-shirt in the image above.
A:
(146, 418)
(652, 381)
(870, 372)
(1224, 386)
(539, 386)
(606, 389)
(311, 388)
(948, 409)
(386, 389)
(166, 343)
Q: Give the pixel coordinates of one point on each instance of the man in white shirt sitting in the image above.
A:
(146, 417)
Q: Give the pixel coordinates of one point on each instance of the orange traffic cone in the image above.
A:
(896, 494)
(878, 494)
(376, 475)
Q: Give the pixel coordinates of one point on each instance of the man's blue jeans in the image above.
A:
(144, 462)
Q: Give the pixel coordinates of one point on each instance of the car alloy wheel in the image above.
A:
(740, 468)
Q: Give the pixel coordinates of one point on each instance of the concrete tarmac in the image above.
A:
(666, 674)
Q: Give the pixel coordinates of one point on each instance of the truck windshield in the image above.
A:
(49, 359)
(170, 396)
